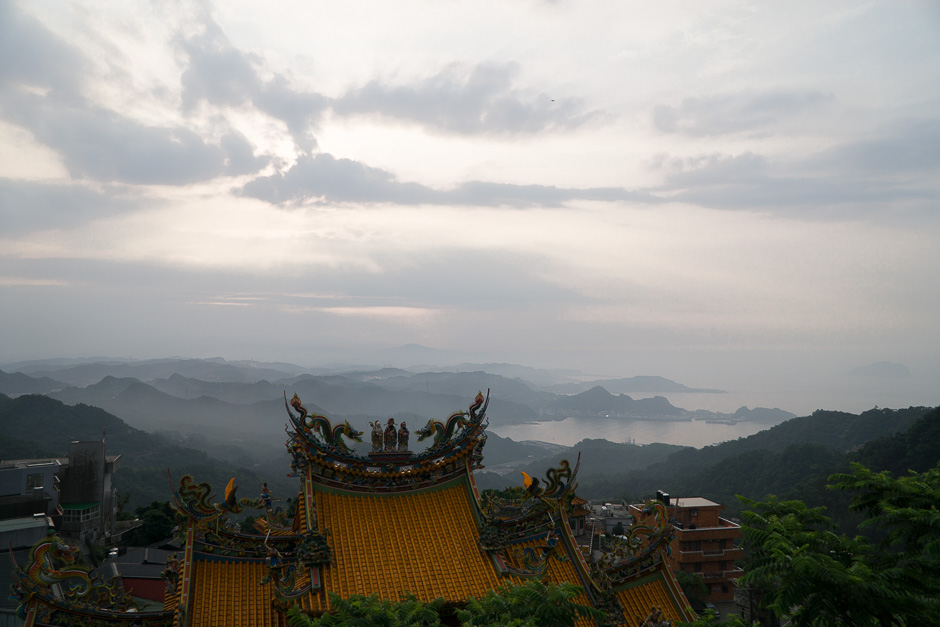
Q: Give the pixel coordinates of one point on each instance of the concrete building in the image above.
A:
(28, 487)
(704, 544)
(75, 491)
(607, 516)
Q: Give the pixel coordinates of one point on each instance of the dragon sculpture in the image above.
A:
(320, 425)
(560, 481)
(52, 561)
(651, 533)
(443, 432)
(193, 500)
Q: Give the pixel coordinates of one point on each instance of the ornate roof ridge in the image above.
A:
(318, 447)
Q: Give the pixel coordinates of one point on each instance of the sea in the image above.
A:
(700, 432)
(570, 431)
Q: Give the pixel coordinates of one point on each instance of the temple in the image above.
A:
(390, 522)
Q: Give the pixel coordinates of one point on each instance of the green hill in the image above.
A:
(34, 425)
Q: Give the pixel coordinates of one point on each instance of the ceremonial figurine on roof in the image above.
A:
(391, 436)
(403, 437)
(376, 436)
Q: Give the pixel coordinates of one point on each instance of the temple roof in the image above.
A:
(394, 522)
(424, 542)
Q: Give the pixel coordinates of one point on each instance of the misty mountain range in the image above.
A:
(242, 402)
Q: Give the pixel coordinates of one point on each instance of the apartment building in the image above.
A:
(705, 543)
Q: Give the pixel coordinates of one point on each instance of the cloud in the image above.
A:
(466, 100)
(222, 75)
(32, 55)
(27, 206)
(217, 72)
(718, 115)
(103, 145)
(43, 75)
(324, 178)
(911, 146)
(336, 180)
(853, 178)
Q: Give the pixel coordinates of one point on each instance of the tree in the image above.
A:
(904, 513)
(157, 521)
(530, 604)
(693, 586)
(369, 611)
(798, 567)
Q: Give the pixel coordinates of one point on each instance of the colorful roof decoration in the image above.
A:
(395, 522)
(54, 588)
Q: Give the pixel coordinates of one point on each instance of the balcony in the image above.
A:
(717, 555)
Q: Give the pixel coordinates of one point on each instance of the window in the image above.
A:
(698, 567)
(92, 512)
(722, 544)
(34, 480)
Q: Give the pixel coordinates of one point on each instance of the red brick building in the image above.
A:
(704, 544)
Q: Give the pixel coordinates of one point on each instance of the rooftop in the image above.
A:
(696, 501)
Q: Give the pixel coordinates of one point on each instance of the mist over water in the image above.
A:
(845, 395)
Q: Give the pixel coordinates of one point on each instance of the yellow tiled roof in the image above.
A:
(642, 596)
(227, 594)
(421, 542)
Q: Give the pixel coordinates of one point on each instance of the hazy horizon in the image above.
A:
(845, 391)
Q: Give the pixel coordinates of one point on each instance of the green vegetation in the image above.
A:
(145, 457)
(791, 460)
(799, 568)
(693, 586)
(531, 604)
(158, 520)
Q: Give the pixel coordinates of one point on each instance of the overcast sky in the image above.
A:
(713, 192)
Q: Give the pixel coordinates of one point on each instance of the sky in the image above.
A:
(722, 193)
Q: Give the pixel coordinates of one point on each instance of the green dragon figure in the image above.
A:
(333, 436)
(444, 432)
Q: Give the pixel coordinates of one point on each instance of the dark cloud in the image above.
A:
(32, 55)
(103, 145)
(337, 180)
(481, 99)
(239, 155)
(222, 75)
(94, 142)
(910, 147)
(851, 179)
(718, 115)
(30, 206)
(323, 177)
(217, 72)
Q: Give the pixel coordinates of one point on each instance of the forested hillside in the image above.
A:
(34, 426)
(791, 460)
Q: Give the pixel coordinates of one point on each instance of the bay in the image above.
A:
(570, 431)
